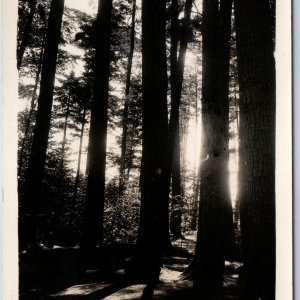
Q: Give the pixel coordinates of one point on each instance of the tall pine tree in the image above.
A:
(215, 226)
(94, 208)
(30, 206)
(153, 236)
(177, 63)
(256, 67)
(124, 154)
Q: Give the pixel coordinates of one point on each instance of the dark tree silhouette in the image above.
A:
(196, 179)
(83, 121)
(30, 116)
(215, 226)
(124, 159)
(30, 206)
(177, 73)
(93, 223)
(256, 68)
(153, 236)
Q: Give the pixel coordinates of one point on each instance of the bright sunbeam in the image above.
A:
(192, 152)
(233, 158)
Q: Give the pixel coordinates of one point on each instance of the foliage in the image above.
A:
(121, 214)
(61, 223)
(134, 127)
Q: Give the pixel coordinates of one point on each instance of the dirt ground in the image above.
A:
(57, 273)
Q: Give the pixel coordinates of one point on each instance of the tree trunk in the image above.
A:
(183, 141)
(215, 226)
(256, 69)
(177, 199)
(93, 224)
(196, 184)
(126, 104)
(79, 158)
(76, 185)
(37, 159)
(60, 173)
(64, 141)
(174, 166)
(153, 236)
(32, 107)
(177, 71)
(176, 180)
(26, 33)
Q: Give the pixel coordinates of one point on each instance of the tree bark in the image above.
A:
(177, 197)
(183, 132)
(256, 69)
(126, 104)
(93, 224)
(30, 205)
(153, 236)
(196, 184)
(79, 156)
(175, 212)
(26, 33)
(32, 107)
(76, 184)
(215, 225)
(177, 72)
(64, 141)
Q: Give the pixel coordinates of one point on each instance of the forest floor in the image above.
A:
(56, 273)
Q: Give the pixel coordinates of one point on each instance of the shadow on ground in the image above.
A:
(58, 274)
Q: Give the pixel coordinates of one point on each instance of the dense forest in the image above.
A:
(146, 149)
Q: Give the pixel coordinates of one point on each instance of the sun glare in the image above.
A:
(193, 148)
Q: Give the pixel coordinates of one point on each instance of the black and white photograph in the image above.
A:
(151, 156)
